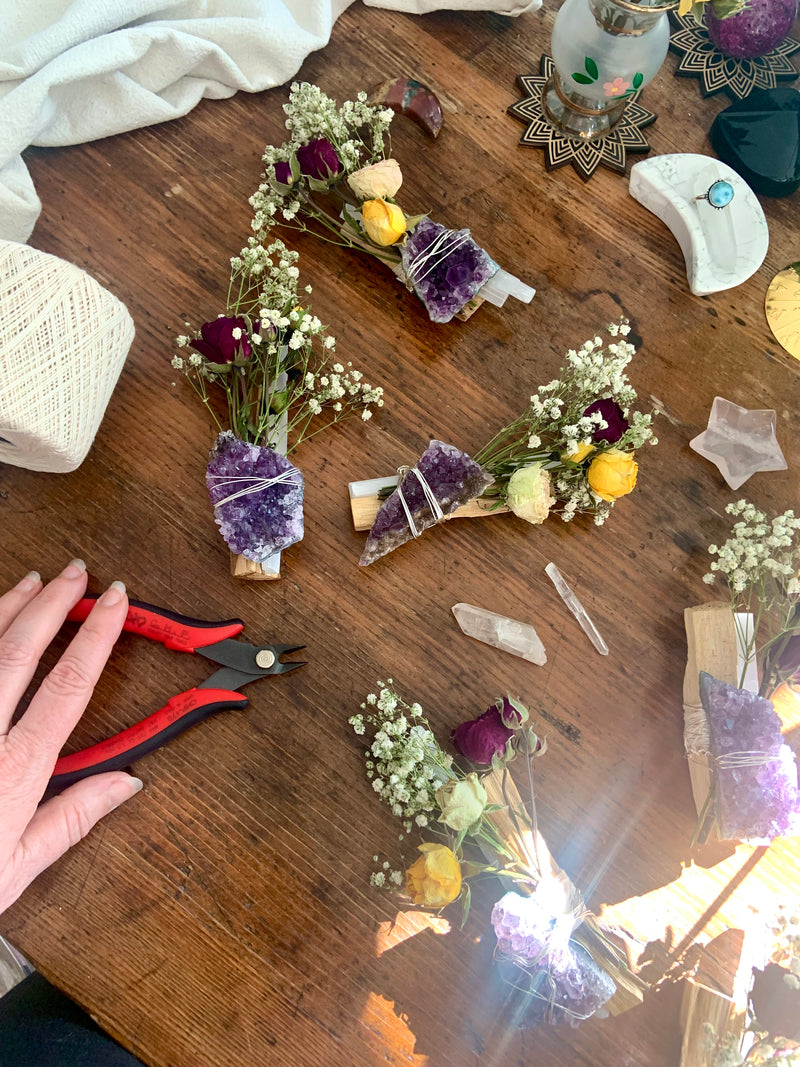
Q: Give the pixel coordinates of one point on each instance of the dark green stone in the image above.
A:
(760, 138)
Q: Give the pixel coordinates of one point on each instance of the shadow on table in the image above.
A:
(453, 999)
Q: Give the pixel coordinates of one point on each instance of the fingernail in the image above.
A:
(29, 582)
(123, 789)
(112, 595)
(74, 569)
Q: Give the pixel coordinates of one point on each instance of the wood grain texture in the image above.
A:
(224, 916)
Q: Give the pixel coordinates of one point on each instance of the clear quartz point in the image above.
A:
(509, 635)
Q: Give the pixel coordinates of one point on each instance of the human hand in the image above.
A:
(32, 836)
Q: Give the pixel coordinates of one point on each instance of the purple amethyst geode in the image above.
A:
(257, 514)
(445, 267)
(453, 477)
(558, 976)
(756, 797)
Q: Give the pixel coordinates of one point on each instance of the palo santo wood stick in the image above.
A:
(717, 997)
(715, 637)
(270, 569)
(256, 572)
(365, 503)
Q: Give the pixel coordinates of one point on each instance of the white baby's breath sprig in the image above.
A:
(760, 564)
(359, 134)
(404, 761)
(555, 427)
(288, 376)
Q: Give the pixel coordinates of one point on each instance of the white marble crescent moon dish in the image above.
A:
(722, 247)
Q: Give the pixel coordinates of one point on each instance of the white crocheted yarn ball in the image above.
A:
(63, 342)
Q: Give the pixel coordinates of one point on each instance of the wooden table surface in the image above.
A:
(224, 916)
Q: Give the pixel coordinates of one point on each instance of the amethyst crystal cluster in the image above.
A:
(561, 980)
(756, 795)
(452, 476)
(257, 514)
(445, 267)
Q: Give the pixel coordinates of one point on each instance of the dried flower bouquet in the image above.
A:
(335, 178)
(557, 956)
(571, 451)
(275, 365)
(743, 776)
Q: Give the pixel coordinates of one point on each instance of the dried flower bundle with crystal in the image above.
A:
(549, 947)
(571, 451)
(275, 365)
(760, 563)
(335, 178)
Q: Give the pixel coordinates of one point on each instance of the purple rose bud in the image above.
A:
(283, 173)
(224, 340)
(776, 1003)
(612, 414)
(318, 159)
(482, 738)
(789, 659)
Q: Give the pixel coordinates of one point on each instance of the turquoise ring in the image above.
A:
(719, 195)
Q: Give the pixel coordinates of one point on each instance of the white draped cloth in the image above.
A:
(76, 70)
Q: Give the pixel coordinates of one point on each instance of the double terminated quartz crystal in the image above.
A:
(509, 635)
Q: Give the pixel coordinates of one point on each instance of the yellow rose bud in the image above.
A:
(385, 223)
(461, 803)
(379, 180)
(528, 493)
(612, 474)
(435, 878)
(581, 452)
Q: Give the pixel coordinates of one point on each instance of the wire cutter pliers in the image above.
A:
(241, 663)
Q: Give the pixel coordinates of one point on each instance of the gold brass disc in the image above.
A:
(782, 307)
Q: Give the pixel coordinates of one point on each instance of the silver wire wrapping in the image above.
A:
(430, 498)
(260, 484)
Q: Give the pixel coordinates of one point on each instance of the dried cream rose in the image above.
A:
(529, 493)
(461, 803)
(377, 181)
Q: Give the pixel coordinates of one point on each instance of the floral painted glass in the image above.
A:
(604, 51)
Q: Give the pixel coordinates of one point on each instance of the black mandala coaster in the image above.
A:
(585, 156)
(701, 59)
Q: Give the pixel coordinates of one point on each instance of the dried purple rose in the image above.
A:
(224, 340)
(445, 267)
(788, 660)
(482, 738)
(452, 476)
(318, 159)
(613, 417)
(559, 977)
(282, 172)
(776, 1002)
(756, 795)
(257, 496)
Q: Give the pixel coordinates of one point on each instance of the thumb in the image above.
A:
(63, 820)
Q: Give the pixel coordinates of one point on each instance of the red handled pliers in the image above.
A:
(241, 663)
